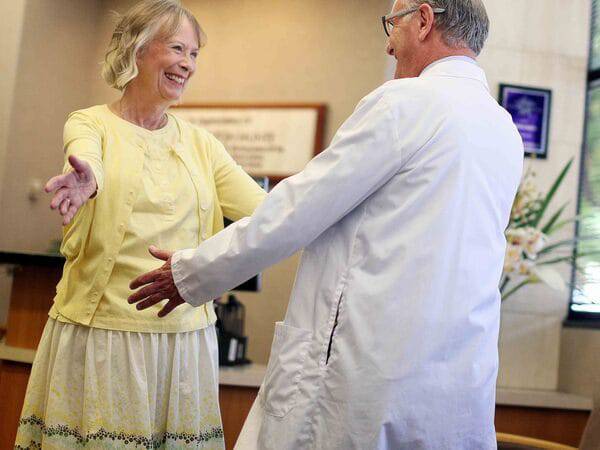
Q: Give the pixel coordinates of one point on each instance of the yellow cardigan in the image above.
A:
(93, 239)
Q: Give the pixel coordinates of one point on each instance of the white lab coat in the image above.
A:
(390, 338)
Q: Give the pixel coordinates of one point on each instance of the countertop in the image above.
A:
(251, 376)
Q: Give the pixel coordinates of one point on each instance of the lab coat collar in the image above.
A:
(456, 66)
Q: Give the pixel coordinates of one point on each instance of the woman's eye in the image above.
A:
(177, 48)
(194, 55)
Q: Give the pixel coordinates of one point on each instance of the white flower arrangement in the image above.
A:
(530, 251)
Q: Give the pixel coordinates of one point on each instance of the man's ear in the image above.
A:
(426, 20)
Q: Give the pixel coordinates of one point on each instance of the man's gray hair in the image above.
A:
(464, 23)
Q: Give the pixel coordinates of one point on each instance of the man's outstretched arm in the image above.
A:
(364, 155)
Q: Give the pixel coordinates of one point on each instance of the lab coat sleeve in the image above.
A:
(364, 154)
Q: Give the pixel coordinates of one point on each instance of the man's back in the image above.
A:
(400, 297)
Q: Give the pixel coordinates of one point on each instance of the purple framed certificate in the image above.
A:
(530, 111)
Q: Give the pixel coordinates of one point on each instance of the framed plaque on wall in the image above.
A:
(272, 140)
(530, 111)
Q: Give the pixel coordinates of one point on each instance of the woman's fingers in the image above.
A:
(71, 189)
(64, 206)
(56, 182)
(59, 197)
(70, 214)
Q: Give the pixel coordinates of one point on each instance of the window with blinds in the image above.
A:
(595, 44)
(585, 299)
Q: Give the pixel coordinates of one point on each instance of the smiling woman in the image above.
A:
(138, 28)
(151, 60)
(134, 176)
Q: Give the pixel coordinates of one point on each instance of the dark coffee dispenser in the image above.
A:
(230, 332)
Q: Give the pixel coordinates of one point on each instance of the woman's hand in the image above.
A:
(73, 189)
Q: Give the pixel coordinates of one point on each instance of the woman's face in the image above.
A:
(166, 65)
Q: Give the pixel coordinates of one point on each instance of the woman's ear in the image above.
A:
(139, 53)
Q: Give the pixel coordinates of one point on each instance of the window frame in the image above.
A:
(582, 319)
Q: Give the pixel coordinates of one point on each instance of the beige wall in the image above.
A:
(53, 69)
(12, 14)
(10, 44)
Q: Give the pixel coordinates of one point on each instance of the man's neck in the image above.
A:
(445, 53)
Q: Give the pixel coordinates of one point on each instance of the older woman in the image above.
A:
(136, 176)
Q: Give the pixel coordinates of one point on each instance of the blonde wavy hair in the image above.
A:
(147, 20)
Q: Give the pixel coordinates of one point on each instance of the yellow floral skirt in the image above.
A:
(105, 389)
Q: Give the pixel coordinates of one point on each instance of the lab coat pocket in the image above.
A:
(284, 371)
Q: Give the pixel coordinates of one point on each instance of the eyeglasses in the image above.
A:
(388, 21)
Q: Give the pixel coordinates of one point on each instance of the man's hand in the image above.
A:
(72, 189)
(160, 286)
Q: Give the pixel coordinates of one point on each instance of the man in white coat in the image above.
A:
(390, 338)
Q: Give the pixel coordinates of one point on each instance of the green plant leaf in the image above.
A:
(565, 242)
(551, 192)
(554, 218)
(562, 224)
(504, 282)
(567, 258)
